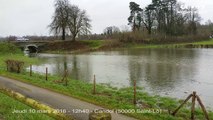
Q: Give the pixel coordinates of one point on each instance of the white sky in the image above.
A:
(31, 17)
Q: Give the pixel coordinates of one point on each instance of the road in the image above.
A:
(55, 100)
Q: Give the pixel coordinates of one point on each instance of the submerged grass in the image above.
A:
(8, 105)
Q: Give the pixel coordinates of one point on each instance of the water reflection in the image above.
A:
(162, 69)
(175, 72)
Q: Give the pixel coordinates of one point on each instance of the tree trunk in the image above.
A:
(150, 31)
(73, 37)
(63, 34)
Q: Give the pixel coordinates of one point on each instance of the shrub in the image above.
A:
(133, 37)
(14, 65)
(159, 38)
(8, 48)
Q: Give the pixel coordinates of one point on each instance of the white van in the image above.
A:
(22, 39)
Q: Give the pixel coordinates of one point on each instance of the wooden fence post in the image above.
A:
(174, 113)
(193, 106)
(134, 99)
(66, 79)
(46, 73)
(194, 97)
(30, 70)
(7, 67)
(94, 85)
(203, 108)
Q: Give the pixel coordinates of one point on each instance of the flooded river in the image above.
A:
(167, 72)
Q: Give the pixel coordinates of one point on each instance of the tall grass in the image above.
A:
(8, 48)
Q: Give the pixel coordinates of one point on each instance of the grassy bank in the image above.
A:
(200, 44)
(10, 51)
(7, 48)
(8, 105)
(64, 47)
(20, 57)
(94, 45)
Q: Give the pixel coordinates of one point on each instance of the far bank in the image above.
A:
(69, 47)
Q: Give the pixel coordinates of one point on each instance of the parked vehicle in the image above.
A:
(22, 39)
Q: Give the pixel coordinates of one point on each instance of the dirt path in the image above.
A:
(55, 100)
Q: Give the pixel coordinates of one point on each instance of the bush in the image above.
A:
(8, 48)
(14, 65)
(158, 38)
(133, 37)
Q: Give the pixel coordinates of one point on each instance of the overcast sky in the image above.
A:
(31, 17)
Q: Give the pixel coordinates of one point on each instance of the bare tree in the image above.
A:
(111, 30)
(79, 22)
(148, 17)
(60, 18)
(69, 19)
(193, 19)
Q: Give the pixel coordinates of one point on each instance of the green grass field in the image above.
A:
(8, 48)
(93, 44)
(207, 42)
(8, 105)
(201, 44)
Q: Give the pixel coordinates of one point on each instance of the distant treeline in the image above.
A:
(163, 21)
(164, 16)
